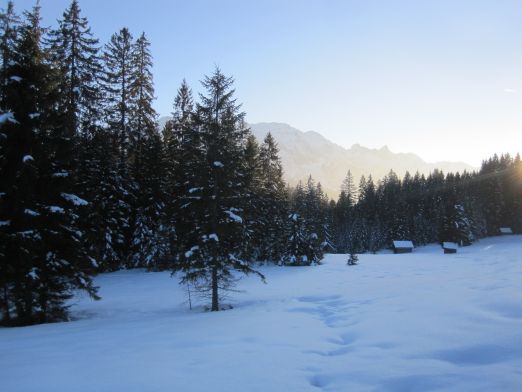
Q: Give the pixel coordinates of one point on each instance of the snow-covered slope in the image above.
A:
(416, 322)
(305, 153)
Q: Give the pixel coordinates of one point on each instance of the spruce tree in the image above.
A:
(9, 24)
(315, 216)
(39, 209)
(302, 246)
(9, 28)
(457, 226)
(149, 228)
(253, 212)
(353, 259)
(117, 82)
(298, 245)
(75, 56)
(181, 144)
(143, 117)
(348, 188)
(150, 243)
(107, 213)
(492, 194)
(75, 53)
(273, 204)
(344, 213)
(216, 194)
(515, 191)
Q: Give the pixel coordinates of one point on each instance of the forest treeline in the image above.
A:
(461, 207)
(89, 183)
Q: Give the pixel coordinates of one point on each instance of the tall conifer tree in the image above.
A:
(39, 208)
(181, 144)
(9, 28)
(216, 193)
(117, 89)
(274, 201)
(149, 228)
(76, 55)
(117, 82)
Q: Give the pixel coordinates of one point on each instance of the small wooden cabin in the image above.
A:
(402, 247)
(450, 247)
(505, 231)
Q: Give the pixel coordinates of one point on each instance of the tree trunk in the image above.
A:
(215, 294)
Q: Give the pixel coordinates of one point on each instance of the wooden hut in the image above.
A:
(450, 247)
(402, 246)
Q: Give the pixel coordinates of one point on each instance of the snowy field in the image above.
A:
(420, 322)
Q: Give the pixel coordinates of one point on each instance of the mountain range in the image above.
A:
(310, 153)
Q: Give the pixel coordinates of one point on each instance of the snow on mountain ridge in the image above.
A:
(305, 153)
(310, 153)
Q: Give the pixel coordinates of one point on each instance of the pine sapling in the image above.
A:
(353, 259)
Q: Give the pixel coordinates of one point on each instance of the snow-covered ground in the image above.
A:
(416, 322)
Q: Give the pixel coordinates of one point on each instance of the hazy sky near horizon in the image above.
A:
(440, 78)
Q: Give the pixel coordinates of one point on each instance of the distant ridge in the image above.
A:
(305, 153)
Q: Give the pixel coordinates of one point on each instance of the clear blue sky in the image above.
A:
(441, 78)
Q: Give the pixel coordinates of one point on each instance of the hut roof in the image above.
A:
(450, 245)
(402, 244)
